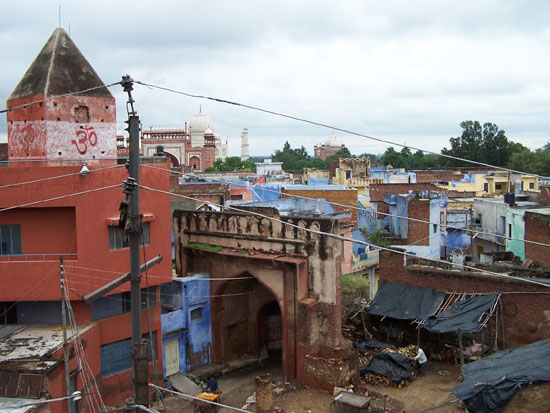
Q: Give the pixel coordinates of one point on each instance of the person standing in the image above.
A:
(422, 361)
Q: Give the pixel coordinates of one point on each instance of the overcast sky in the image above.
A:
(405, 71)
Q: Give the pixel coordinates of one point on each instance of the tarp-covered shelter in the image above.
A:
(491, 382)
(396, 366)
(405, 302)
(462, 315)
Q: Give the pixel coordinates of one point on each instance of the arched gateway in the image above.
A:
(271, 285)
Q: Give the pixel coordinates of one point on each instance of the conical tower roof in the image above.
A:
(58, 69)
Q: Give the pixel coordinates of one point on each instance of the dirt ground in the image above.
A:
(428, 393)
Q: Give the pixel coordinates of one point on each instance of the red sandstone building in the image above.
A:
(331, 146)
(49, 212)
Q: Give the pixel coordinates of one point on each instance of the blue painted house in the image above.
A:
(186, 324)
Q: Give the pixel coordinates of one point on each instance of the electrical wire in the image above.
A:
(148, 305)
(44, 279)
(289, 195)
(187, 396)
(24, 105)
(56, 177)
(327, 126)
(60, 197)
(342, 238)
(87, 376)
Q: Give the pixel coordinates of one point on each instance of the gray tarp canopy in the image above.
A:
(462, 315)
(405, 302)
(489, 383)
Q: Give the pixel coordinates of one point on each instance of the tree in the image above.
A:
(342, 153)
(294, 159)
(487, 144)
(232, 164)
(391, 156)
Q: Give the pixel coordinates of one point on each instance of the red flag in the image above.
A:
(260, 180)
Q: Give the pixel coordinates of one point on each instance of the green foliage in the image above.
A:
(355, 284)
(298, 158)
(536, 162)
(232, 164)
(486, 143)
(342, 153)
(406, 159)
(376, 238)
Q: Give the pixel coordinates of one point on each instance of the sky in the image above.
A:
(403, 71)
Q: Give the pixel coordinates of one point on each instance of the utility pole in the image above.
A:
(133, 229)
(64, 326)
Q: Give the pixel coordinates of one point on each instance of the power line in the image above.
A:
(152, 276)
(87, 376)
(327, 126)
(286, 194)
(55, 177)
(24, 105)
(28, 292)
(60, 197)
(177, 393)
(339, 237)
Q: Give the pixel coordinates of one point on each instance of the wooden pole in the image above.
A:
(64, 326)
(496, 330)
(502, 330)
(461, 349)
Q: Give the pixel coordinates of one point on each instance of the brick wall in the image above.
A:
(3, 151)
(377, 191)
(216, 193)
(418, 232)
(537, 228)
(525, 314)
(544, 197)
(344, 197)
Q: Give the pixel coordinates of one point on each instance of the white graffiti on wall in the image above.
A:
(27, 139)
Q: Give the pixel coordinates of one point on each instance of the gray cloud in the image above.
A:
(406, 71)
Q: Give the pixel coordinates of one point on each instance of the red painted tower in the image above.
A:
(61, 128)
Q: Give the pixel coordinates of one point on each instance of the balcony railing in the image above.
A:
(37, 257)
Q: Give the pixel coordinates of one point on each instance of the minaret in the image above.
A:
(79, 126)
(244, 144)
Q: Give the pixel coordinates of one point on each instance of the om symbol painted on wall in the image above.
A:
(85, 136)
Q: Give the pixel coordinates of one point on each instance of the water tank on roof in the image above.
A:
(509, 198)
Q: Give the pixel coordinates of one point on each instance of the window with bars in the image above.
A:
(117, 356)
(10, 239)
(118, 239)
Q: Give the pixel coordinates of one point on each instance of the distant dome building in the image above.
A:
(198, 126)
(192, 149)
(331, 146)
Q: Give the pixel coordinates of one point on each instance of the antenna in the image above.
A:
(59, 17)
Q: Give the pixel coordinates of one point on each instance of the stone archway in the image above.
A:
(173, 159)
(195, 163)
(248, 307)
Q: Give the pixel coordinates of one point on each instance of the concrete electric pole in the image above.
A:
(134, 229)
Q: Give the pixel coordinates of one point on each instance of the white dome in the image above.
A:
(208, 131)
(333, 141)
(200, 123)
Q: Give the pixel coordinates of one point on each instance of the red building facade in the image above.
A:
(81, 228)
(50, 212)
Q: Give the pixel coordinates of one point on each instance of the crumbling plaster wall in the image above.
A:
(254, 233)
